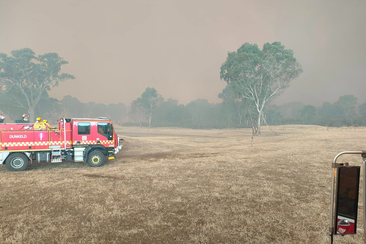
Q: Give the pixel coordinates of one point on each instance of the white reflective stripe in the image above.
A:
(93, 142)
(37, 143)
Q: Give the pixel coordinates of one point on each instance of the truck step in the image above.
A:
(56, 160)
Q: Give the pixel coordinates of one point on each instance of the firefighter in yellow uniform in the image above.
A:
(47, 125)
(36, 125)
(39, 125)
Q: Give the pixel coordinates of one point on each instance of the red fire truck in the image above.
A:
(78, 140)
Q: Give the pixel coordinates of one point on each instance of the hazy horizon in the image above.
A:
(116, 49)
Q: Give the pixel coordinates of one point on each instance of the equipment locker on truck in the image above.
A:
(79, 140)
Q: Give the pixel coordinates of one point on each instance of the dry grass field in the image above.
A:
(185, 186)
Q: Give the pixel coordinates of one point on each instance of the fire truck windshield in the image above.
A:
(106, 129)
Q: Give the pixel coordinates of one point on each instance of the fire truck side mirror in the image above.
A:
(346, 205)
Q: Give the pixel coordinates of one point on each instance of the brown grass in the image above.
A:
(185, 186)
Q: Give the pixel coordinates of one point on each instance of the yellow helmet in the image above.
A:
(39, 119)
(45, 121)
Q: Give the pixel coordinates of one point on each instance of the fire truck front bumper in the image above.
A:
(117, 149)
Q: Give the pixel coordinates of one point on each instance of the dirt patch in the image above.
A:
(98, 176)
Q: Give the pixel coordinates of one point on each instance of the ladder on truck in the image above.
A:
(56, 156)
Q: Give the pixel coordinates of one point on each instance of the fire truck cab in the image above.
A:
(79, 140)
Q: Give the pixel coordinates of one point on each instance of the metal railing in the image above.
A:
(334, 167)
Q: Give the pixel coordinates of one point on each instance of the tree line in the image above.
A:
(152, 110)
(344, 112)
(253, 76)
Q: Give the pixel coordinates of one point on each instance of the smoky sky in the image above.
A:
(116, 49)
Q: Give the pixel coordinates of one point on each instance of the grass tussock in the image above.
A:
(185, 186)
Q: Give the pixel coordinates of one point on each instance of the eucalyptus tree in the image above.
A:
(230, 105)
(137, 110)
(348, 105)
(260, 75)
(8, 106)
(308, 114)
(116, 112)
(234, 105)
(30, 76)
(73, 107)
(150, 99)
(362, 110)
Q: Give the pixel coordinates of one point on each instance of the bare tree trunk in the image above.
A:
(254, 125)
(240, 116)
(259, 122)
(32, 116)
(150, 116)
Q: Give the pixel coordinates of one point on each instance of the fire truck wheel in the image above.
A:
(96, 159)
(17, 162)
